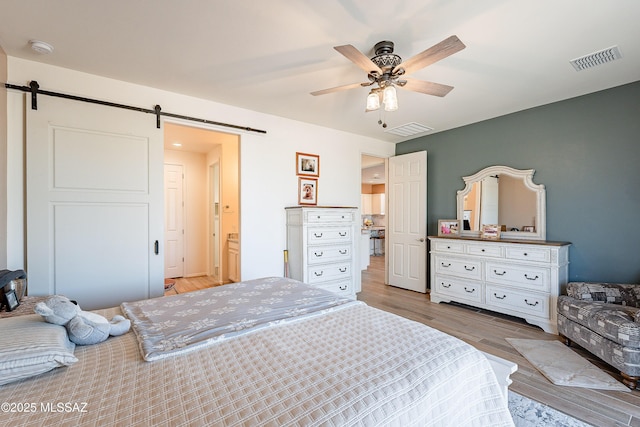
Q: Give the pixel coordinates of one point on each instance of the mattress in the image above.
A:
(356, 365)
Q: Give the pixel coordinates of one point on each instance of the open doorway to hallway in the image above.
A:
(202, 209)
(373, 211)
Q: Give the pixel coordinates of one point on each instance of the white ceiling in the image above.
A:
(269, 55)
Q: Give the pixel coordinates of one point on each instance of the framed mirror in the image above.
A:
(504, 196)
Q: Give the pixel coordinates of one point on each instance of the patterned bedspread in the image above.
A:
(351, 366)
(186, 322)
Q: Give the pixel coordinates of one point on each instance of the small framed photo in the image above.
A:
(529, 228)
(490, 231)
(11, 300)
(307, 165)
(307, 191)
(448, 227)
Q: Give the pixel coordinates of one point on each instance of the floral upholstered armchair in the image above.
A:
(604, 318)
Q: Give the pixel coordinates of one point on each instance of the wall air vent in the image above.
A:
(596, 58)
(409, 129)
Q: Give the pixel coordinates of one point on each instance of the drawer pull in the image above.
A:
(499, 274)
(525, 254)
(532, 305)
(482, 250)
(343, 287)
(343, 251)
(496, 295)
(445, 265)
(446, 286)
(318, 235)
(343, 269)
(469, 269)
(469, 291)
(531, 278)
(318, 273)
(318, 254)
(448, 247)
(342, 233)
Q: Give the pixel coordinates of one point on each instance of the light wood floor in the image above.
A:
(487, 332)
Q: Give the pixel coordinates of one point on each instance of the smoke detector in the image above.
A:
(41, 47)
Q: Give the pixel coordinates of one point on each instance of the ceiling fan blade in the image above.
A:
(358, 58)
(429, 88)
(338, 88)
(435, 53)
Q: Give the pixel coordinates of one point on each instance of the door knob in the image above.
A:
(420, 239)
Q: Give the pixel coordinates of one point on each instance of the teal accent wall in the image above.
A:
(585, 150)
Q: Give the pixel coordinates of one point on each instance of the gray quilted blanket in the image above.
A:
(181, 323)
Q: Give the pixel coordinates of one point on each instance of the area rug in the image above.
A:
(562, 366)
(169, 284)
(529, 413)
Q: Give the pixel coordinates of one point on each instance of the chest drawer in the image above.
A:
(521, 302)
(340, 287)
(528, 254)
(327, 272)
(321, 254)
(318, 236)
(485, 250)
(448, 246)
(467, 290)
(524, 276)
(471, 269)
(330, 217)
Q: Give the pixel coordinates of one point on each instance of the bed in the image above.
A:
(267, 352)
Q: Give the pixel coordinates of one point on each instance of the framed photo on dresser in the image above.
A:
(307, 191)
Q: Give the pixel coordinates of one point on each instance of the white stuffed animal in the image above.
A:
(83, 327)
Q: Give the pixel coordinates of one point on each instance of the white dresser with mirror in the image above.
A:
(520, 274)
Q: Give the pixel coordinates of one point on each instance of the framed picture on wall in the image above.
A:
(490, 231)
(307, 191)
(448, 227)
(307, 164)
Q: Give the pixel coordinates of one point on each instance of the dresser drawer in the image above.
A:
(340, 287)
(459, 267)
(448, 246)
(327, 272)
(520, 253)
(459, 289)
(332, 216)
(524, 276)
(323, 254)
(485, 250)
(318, 236)
(517, 301)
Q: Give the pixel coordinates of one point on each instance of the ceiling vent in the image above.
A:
(596, 58)
(409, 129)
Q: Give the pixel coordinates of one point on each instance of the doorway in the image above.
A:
(210, 163)
(373, 211)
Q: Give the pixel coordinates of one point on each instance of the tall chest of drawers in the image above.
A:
(321, 247)
(519, 278)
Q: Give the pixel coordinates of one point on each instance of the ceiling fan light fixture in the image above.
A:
(390, 98)
(373, 101)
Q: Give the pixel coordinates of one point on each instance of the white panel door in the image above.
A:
(489, 200)
(173, 221)
(407, 221)
(94, 203)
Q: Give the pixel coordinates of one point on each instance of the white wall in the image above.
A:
(267, 162)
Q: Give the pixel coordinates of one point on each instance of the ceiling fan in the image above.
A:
(387, 70)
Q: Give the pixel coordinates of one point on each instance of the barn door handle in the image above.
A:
(156, 247)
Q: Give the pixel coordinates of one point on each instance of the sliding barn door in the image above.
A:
(94, 203)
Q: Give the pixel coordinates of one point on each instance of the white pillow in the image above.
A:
(31, 346)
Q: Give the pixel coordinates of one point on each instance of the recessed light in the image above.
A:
(177, 144)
